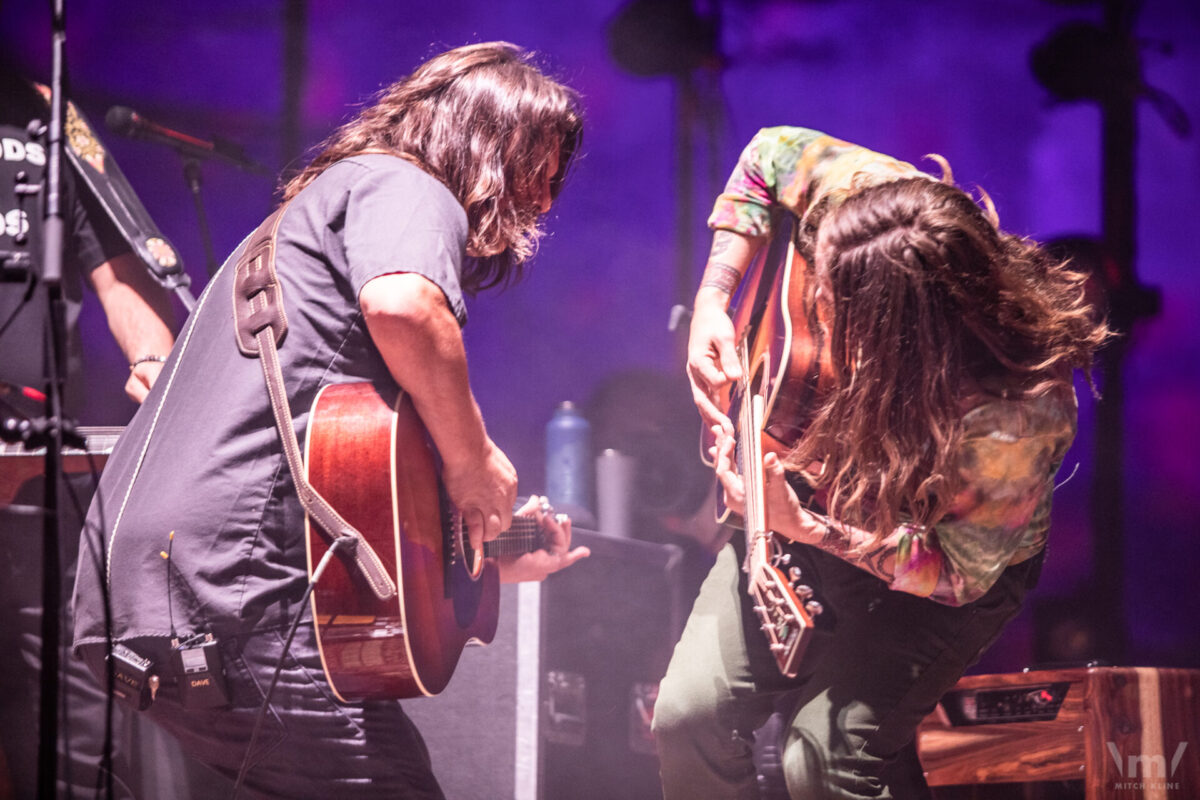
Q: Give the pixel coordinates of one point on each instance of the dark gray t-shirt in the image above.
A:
(203, 458)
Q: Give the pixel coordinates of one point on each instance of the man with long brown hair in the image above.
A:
(914, 498)
(433, 191)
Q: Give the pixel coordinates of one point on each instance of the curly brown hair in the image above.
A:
(484, 121)
(927, 302)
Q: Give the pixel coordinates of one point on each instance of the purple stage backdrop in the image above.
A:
(941, 76)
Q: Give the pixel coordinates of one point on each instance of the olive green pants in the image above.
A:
(879, 662)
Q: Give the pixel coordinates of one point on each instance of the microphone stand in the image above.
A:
(191, 175)
(52, 270)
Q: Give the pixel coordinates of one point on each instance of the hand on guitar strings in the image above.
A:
(557, 553)
(712, 358)
(484, 490)
(712, 363)
(785, 514)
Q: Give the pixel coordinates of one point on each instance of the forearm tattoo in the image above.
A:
(873, 559)
(721, 276)
(721, 242)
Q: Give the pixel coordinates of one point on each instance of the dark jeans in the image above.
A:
(879, 662)
(310, 745)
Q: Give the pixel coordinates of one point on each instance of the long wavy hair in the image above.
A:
(484, 121)
(926, 302)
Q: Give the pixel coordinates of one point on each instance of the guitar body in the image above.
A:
(376, 466)
(784, 343)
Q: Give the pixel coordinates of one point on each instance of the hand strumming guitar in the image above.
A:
(785, 515)
(712, 362)
(556, 555)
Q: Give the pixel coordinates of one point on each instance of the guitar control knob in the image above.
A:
(804, 591)
(813, 608)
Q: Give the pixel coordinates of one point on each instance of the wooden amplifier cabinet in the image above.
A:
(1128, 733)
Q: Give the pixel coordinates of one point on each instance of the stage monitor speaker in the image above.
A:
(558, 707)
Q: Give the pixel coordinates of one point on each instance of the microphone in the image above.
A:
(19, 427)
(126, 122)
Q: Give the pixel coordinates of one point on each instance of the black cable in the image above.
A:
(266, 703)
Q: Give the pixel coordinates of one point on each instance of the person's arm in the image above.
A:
(742, 220)
(712, 362)
(139, 314)
(987, 530)
(556, 555)
(419, 339)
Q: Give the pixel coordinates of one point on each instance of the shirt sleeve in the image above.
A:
(1008, 460)
(794, 168)
(402, 220)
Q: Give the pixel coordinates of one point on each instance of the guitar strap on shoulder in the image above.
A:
(261, 325)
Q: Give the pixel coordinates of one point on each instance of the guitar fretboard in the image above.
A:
(524, 536)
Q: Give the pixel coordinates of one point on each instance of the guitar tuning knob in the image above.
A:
(785, 559)
(794, 574)
(813, 608)
(804, 591)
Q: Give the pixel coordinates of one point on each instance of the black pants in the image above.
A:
(878, 664)
(310, 746)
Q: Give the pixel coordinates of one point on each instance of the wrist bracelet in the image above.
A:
(144, 359)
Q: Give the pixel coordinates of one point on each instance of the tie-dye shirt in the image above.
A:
(1011, 449)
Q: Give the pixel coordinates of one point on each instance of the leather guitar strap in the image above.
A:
(261, 325)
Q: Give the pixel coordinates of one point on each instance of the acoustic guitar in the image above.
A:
(376, 466)
(779, 346)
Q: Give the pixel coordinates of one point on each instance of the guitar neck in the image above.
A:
(524, 536)
(750, 419)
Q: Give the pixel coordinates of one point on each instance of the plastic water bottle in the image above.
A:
(569, 464)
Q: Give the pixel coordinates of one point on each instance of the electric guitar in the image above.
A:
(781, 371)
(18, 463)
(375, 465)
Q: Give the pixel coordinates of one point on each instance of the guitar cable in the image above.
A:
(166, 556)
(342, 541)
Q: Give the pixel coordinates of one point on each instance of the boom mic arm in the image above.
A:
(126, 122)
